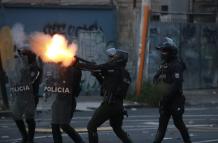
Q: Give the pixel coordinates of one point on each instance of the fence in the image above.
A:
(198, 47)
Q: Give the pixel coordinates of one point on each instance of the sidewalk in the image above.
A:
(199, 98)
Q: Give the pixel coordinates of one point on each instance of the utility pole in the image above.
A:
(145, 15)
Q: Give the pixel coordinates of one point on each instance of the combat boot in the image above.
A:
(31, 130)
(21, 126)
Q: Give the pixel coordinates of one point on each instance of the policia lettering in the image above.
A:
(20, 89)
(24, 99)
(169, 78)
(55, 89)
(114, 80)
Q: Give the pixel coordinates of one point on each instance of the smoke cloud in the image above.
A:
(19, 36)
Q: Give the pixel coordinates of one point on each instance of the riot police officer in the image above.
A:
(23, 98)
(35, 72)
(170, 77)
(114, 80)
(66, 88)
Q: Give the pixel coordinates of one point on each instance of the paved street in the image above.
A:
(141, 125)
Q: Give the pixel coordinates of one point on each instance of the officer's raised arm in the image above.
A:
(118, 59)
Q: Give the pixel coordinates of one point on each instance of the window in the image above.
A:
(164, 9)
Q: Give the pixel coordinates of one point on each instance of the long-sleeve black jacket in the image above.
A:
(171, 73)
(114, 80)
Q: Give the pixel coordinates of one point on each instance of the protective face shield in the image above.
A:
(168, 49)
(117, 55)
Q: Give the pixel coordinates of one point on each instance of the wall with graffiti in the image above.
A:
(93, 29)
(198, 47)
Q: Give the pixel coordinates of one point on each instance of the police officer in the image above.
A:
(66, 89)
(35, 72)
(23, 98)
(170, 78)
(114, 80)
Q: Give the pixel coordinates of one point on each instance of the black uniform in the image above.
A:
(24, 99)
(170, 77)
(114, 80)
(36, 75)
(66, 89)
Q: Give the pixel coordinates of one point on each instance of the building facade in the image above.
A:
(100, 24)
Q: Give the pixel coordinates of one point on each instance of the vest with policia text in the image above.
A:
(22, 101)
(68, 83)
(169, 79)
(66, 89)
(60, 88)
(24, 89)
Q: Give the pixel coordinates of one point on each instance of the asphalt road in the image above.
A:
(141, 125)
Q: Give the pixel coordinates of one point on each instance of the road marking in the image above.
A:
(127, 119)
(168, 138)
(5, 137)
(151, 123)
(133, 109)
(80, 130)
(134, 127)
(206, 141)
(196, 109)
(185, 115)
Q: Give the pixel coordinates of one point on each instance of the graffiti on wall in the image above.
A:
(209, 58)
(92, 45)
(91, 42)
(190, 51)
(198, 47)
(69, 29)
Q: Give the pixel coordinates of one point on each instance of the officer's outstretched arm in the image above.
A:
(109, 66)
(101, 67)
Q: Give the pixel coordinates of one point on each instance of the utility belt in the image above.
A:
(22, 89)
(112, 99)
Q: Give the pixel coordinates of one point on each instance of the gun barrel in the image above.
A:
(85, 64)
(83, 60)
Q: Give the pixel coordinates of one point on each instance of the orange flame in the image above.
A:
(53, 49)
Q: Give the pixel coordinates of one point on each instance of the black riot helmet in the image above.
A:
(168, 49)
(117, 56)
(31, 57)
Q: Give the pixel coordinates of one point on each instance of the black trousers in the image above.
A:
(113, 113)
(68, 130)
(175, 110)
(27, 136)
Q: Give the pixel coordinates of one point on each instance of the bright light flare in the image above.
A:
(53, 49)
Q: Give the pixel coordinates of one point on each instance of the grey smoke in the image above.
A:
(19, 36)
